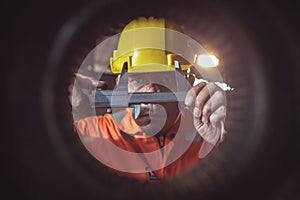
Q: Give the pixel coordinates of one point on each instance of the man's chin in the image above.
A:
(150, 127)
(143, 120)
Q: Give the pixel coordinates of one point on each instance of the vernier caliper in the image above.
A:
(120, 98)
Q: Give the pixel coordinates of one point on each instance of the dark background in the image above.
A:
(30, 167)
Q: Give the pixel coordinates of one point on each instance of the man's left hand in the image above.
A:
(208, 105)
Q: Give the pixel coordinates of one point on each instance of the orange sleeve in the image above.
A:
(96, 127)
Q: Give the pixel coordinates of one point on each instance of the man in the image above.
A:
(160, 139)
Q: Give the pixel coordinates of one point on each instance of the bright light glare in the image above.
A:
(207, 60)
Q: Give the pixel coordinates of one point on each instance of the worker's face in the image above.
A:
(152, 116)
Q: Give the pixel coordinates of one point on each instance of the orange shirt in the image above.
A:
(96, 131)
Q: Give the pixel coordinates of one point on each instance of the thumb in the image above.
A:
(89, 83)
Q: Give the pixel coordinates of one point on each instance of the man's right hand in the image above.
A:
(77, 98)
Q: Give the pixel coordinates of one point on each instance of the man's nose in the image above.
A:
(153, 88)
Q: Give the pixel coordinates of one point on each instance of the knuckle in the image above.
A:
(219, 96)
(190, 98)
(201, 98)
(201, 84)
(222, 109)
(218, 93)
(197, 88)
(206, 110)
(199, 102)
(211, 86)
(192, 92)
(213, 120)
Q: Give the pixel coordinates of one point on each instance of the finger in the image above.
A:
(198, 124)
(205, 149)
(75, 95)
(191, 79)
(84, 81)
(203, 96)
(73, 92)
(216, 100)
(223, 131)
(211, 133)
(102, 85)
(218, 115)
(90, 83)
(70, 88)
(192, 93)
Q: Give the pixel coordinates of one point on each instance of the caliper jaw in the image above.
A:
(123, 86)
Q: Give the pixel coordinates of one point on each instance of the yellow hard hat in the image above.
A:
(142, 44)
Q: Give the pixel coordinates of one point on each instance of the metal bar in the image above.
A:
(110, 98)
